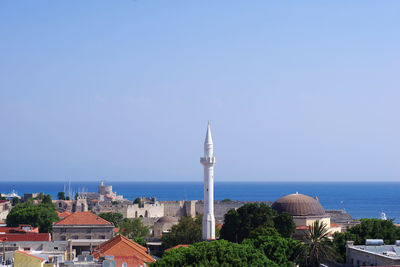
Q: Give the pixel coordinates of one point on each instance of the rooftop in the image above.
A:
(390, 251)
(122, 246)
(82, 218)
(25, 237)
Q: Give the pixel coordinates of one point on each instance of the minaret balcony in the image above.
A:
(208, 160)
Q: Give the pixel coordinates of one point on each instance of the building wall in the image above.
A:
(23, 260)
(61, 233)
(309, 221)
(147, 211)
(357, 258)
(174, 208)
(64, 205)
(5, 208)
(160, 227)
(220, 208)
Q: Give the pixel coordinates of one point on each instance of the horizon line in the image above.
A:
(200, 181)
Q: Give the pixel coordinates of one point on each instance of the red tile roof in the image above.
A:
(82, 218)
(335, 225)
(26, 237)
(178, 246)
(63, 214)
(9, 230)
(120, 246)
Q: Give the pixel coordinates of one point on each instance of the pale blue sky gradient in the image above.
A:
(122, 90)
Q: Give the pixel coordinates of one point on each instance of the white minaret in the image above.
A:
(208, 162)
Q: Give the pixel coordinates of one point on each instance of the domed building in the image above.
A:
(305, 211)
(164, 225)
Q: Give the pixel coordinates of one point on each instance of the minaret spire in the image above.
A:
(208, 162)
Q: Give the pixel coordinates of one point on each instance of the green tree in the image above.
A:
(187, 231)
(133, 228)
(47, 199)
(40, 196)
(140, 240)
(138, 201)
(2, 198)
(112, 217)
(15, 201)
(216, 253)
(282, 251)
(239, 223)
(317, 247)
(284, 224)
(42, 216)
(61, 195)
(226, 200)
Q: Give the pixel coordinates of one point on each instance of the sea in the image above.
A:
(359, 199)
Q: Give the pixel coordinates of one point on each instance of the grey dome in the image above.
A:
(298, 205)
(167, 219)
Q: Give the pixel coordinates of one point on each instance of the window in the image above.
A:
(63, 237)
(55, 248)
(75, 237)
(88, 230)
(124, 264)
(88, 237)
(102, 237)
(27, 249)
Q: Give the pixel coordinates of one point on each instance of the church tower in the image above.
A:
(208, 162)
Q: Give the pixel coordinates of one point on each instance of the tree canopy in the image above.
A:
(317, 247)
(187, 231)
(133, 228)
(42, 216)
(61, 195)
(239, 223)
(219, 253)
(284, 224)
(282, 251)
(113, 217)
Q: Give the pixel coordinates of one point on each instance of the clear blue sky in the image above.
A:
(122, 90)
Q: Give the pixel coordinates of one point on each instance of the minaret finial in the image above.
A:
(208, 135)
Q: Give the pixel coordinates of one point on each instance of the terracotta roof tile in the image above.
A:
(63, 214)
(82, 218)
(122, 246)
(26, 237)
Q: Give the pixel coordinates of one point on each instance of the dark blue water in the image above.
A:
(361, 200)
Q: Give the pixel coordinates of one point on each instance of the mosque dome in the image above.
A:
(167, 219)
(298, 205)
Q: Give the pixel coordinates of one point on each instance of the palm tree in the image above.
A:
(317, 246)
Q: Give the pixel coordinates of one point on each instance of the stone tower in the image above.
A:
(208, 162)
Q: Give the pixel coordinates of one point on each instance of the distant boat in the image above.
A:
(11, 195)
(383, 216)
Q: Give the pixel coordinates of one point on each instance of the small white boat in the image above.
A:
(11, 195)
(383, 216)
